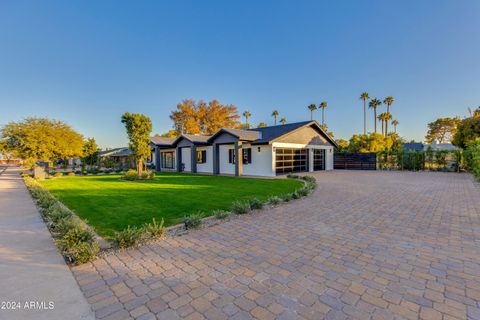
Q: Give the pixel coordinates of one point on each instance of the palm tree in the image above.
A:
(388, 101)
(262, 125)
(283, 120)
(395, 124)
(364, 96)
(388, 117)
(381, 117)
(374, 104)
(247, 115)
(323, 106)
(275, 115)
(312, 107)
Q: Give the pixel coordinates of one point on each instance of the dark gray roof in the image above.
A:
(194, 138)
(247, 135)
(162, 141)
(270, 133)
(115, 152)
(413, 146)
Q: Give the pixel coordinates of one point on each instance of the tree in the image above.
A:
(312, 107)
(90, 151)
(381, 117)
(364, 96)
(374, 104)
(388, 101)
(247, 115)
(201, 118)
(262, 125)
(395, 123)
(138, 128)
(442, 130)
(42, 139)
(342, 144)
(468, 130)
(275, 115)
(283, 120)
(388, 117)
(323, 106)
(373, 142)
(170, 134)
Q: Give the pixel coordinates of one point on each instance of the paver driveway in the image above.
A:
(365, 245)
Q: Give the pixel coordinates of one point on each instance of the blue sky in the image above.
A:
(87, 62)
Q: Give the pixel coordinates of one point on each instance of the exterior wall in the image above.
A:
(186, 159)
(225, 167)
(328, 152)
(206, 167)
(262, 162)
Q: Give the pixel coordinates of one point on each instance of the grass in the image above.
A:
(110, 204)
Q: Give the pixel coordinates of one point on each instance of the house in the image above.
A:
(119, 157)
(412, 146)
(268, 151)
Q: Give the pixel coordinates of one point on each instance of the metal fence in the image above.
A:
(355, 161)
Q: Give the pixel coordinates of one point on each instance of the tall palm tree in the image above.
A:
(381, 117)
(388, 117)
(388, 101)
(323, 106)
(312, 107)
(275, 115)
(247, 115)
(374, 104)
(395, 124)
(283, 120)
(364, 96)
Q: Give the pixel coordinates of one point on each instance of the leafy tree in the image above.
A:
(325, 128)
(312, 107)
(467, 130)
(169, 134)
(138, 128)
(342, 144)
(201, 118)
(262, 125)
(395, 123)
(42, 139)
(382, 117)
(374, 104)
(373, 142)
(283, 120)
(90, 151)
(442, 130)
(275, 115)
(323, 106)
(364, 97)
(388, 101)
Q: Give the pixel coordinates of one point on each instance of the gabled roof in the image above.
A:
(193, 138)
(161, 141)
(269, 134)
(413, 146)
(115, 152)
(246, 135)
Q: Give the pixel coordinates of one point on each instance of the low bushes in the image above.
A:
(132, 175)
(195, 219)
(472, 157)
(155, 229)
(72, 237)
(255, 204)
(274, 200)
(129, 237)
(240, 207)
(221, 214)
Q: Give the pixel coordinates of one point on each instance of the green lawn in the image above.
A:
(110, 204)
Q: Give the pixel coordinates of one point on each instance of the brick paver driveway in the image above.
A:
(365, 245)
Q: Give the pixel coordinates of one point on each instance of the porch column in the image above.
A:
(216, 158)
(193, 157)
(158, 166)
(238, 158)
(178, 153)
(310, 159)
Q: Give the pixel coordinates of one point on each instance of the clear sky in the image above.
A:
(87, 62)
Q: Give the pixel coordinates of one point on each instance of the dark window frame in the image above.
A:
(201, 156)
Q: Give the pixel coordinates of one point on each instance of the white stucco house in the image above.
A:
(268, 151)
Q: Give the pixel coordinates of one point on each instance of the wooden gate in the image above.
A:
(355, 161)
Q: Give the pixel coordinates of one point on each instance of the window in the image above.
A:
(247, 155)
(201, 156)
(231, 155)
(168, 160)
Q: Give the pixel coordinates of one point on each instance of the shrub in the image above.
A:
(303, 192)
(71, 174)
(130, 175)
(273, 200)
(296, 195)
(309, 179)
(287, 197)
(240, 207)
(45, 199)
(145, 176)
(82, 252)
(151, 175)
(221, 214)
(255, 204)
(129, 237)
(155, 229)
(64, 225)
(293, 176)
(56, 213)
(472, 157)
(195, 219)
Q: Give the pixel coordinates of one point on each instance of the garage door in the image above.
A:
(318, 159)
(290, 160)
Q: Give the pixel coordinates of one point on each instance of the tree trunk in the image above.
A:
(364, 117)
(386, 120)
(375, 119)
(323, 116)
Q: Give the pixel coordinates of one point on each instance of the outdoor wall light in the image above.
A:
(186, 222)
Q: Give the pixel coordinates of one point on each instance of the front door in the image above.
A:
(318, 159)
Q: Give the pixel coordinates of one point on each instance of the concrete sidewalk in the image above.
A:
(31, 268)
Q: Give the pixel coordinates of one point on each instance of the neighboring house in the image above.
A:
(8, 158)
(418, 146)
(268, 151)
(412, 146)
(121, 157)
